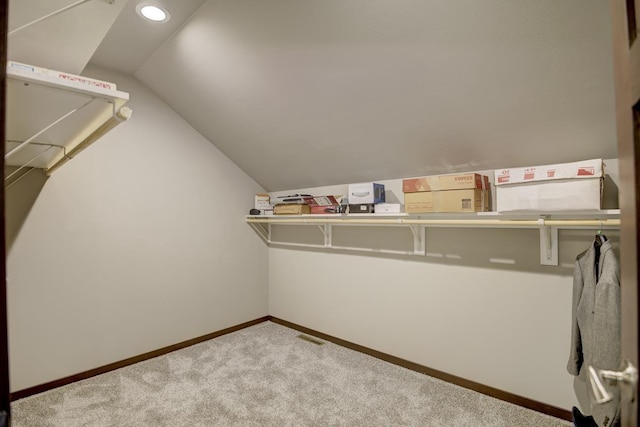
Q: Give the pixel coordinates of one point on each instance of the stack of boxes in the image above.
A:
(561, 187)
(263, 204)
(467, 192)
(302, 204)
(363, 197)
(294, 204)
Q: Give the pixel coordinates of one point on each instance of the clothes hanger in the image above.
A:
(600, 238)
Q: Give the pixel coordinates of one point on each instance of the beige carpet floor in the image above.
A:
(266, 375)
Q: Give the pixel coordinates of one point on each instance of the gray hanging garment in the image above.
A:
(595, 331)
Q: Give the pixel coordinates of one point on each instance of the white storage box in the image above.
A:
(262, 201)
(366, 193)
(561, 187)
(387, 208)
(263, 204)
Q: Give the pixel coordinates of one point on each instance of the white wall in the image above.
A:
(479, 305)
(137, 243)
(140, 242)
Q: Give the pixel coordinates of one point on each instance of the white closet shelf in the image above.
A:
(53, 115)
(547, 222)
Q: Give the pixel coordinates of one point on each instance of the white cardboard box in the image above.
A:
(560, 187)
(366, 193)
(387, 208)
(262, 202)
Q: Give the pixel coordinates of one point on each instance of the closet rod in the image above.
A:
(123, 114)
(493, 223)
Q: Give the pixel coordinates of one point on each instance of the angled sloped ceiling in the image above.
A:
(65, 41)
(131, 39)
(308, 93)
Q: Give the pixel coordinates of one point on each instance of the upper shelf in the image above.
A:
(565, 219)
(548, 223)
(52, 115)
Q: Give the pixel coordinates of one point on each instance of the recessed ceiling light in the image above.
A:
(152, 12)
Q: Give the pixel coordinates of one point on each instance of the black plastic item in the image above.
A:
(361, 208)
(580, 420)
(254, 212)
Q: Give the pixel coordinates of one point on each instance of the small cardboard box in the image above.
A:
(470, 200)
(291, 209)
(366, 193)
(323, 205)
(361, 208)
(262, 201)
(387, 208)
(462, 181)
(263, 204)
(565, 186)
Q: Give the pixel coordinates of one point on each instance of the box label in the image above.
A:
(529, 174)
(588, 171)
(577, 170)
(503, 177)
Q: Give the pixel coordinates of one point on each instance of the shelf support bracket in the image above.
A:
(548, 244)
(28, 141)
(263, 230)
(7, 179)
(419, 244)
(327, 232)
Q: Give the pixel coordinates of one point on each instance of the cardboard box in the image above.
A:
(293, 199)
(463, 181)
(366, 193)
(387, 208)
(323, 205)
(560, 187)
(361, 208)
(470, 200)
(263, 204)
(291, 209)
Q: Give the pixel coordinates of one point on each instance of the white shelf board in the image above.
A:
(37, 98)
(476, 217)
(548, 224)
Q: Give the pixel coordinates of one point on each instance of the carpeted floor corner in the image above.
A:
(265, 376)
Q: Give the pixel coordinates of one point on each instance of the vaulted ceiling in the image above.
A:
(303, 93)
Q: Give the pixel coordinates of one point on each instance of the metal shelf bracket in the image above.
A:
(419, 243)
(548, 244)
(327, 233)
(263, 230)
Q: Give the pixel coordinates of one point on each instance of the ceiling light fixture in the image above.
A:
(152, 12)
